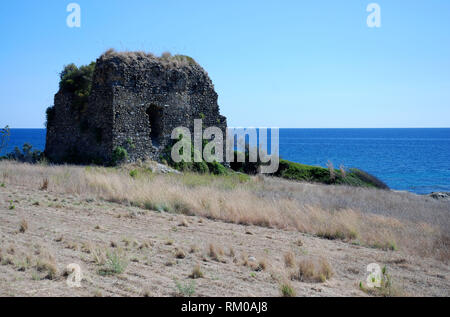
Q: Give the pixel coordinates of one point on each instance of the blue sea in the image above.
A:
(416, 160)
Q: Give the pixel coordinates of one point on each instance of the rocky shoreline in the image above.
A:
(440, 195)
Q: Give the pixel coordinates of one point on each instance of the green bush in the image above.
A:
(50, 116)
(119, 155)
(287, 290)
(27, 155)
(297, 171)
(4, 137)
(186, 290)
(116, 263)
(160, 207)
(201, 167)
(217, 168)
(301, 172)
(130, 144)
(246, 167)
(77, 81)
(133, 173)
(368, 178)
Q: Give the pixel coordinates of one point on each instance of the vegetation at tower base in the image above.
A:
(119, 155)
(201, 167)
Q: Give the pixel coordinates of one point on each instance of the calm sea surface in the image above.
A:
(416, 160)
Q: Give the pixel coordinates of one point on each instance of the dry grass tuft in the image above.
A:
(262, 265)
(22, 265)
(215, 252)
(244, 259)
(47, 266)
(231, 252)
(98, 256)
(11, 250)
(145, 245)
(87, 247)
(72, 245)
(193, 249)
(313, 271)
(289, 259)
(7, 260)
(98, 293)
(147, 292)
(331, 170)
(196, 272)
(23, 226)
(44, 185)
(169, 242)
(179, 253)
(183, 223)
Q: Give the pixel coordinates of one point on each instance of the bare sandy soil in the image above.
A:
(162, 249)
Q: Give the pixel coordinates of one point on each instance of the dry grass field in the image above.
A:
(137, 233)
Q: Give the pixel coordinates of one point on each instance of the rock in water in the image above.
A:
(440, 195)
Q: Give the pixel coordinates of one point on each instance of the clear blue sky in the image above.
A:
(299, 64)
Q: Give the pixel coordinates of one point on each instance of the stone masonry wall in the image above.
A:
(136, 101)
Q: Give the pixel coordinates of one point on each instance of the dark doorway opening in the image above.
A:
(155, 117)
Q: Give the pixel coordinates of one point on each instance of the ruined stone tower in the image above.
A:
(135, 102)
